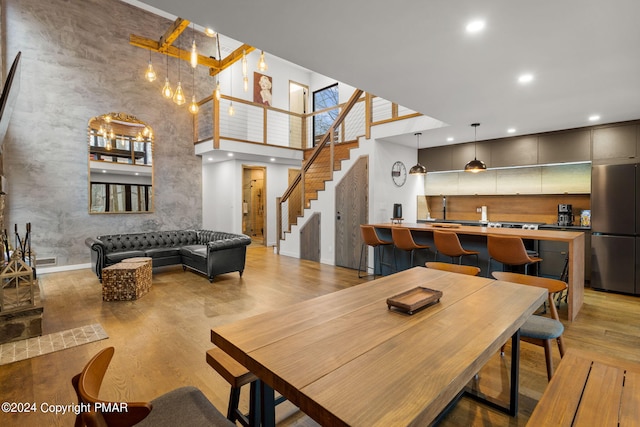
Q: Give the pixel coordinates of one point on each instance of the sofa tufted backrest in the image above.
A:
(150, 239)
(205, 236)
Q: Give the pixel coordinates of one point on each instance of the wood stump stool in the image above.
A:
(126, 281)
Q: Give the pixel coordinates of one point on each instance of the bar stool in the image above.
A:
(403, 240)
(370, 238)
(469, 270)
(448, 244)
(509, 250)
(540, 330)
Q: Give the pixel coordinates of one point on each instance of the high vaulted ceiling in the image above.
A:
(584, 56)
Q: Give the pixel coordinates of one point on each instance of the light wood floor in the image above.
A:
(161, 339)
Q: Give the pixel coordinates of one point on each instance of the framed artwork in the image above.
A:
(262, 89)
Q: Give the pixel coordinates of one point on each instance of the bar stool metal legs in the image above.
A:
(370, 238)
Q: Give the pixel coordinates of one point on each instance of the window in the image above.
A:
(323, 99)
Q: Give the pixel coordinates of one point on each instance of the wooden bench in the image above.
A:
(590, 389)
(237, 376)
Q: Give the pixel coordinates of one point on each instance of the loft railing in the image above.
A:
(262, 124)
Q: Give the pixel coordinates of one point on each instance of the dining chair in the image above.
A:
(509, 250)
(448, 243)
(370, 238)
(403, 240)
(185, 406)
(469, 270)
(540, 330)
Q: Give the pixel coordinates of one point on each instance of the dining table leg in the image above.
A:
(268, 405)
(515, 374)
(512, 408)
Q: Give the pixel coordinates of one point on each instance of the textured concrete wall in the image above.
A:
(77, 63)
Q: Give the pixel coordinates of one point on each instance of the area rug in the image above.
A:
(37, 346)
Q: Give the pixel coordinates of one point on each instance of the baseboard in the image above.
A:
(45, 270)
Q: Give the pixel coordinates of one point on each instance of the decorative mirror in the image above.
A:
(120, 164)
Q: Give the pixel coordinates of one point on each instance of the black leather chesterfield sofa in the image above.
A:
(208, 252)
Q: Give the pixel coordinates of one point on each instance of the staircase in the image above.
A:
(318, 167)
(320, 172)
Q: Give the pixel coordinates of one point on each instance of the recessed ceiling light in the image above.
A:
(511, 130)
(594, 118)
(525, 78)
(210, 159)
(137, 174)
(104, 171)
(475, 26)
(450, 139)
(273, 159)
(230, 154)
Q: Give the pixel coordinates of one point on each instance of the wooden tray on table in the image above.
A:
(414, 299)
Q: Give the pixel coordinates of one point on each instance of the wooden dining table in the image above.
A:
(346, 358)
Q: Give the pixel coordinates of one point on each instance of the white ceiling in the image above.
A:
(584, 55)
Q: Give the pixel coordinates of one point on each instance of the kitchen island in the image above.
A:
(423, 233)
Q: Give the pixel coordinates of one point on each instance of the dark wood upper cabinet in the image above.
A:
(436, 158)
(519, 151)
(563, 147)
(616, 142)
(599, 143)
(464, 153)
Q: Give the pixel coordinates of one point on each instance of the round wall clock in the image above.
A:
(399, 174)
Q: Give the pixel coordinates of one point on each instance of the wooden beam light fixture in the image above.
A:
(164, 45)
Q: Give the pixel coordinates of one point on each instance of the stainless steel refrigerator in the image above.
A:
(615, 228)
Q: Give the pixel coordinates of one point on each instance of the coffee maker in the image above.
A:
(565, 215)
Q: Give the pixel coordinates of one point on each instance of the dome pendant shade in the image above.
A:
(418, 169)
(475, 166)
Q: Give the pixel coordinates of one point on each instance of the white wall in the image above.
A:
(279, 70)
(222, 195)
(383, 192)
(220, 183)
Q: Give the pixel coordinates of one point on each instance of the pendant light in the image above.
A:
(193, 107)
(150, 74)
(245, 78)
(166, 89)
(262, 64)
(475, 165)
(217, 91)
(231, 110)
(418, 169)
(178, 96)
(194, 51)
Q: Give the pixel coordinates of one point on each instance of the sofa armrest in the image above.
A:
(91, 242)
(229, 243)
(98, 253)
